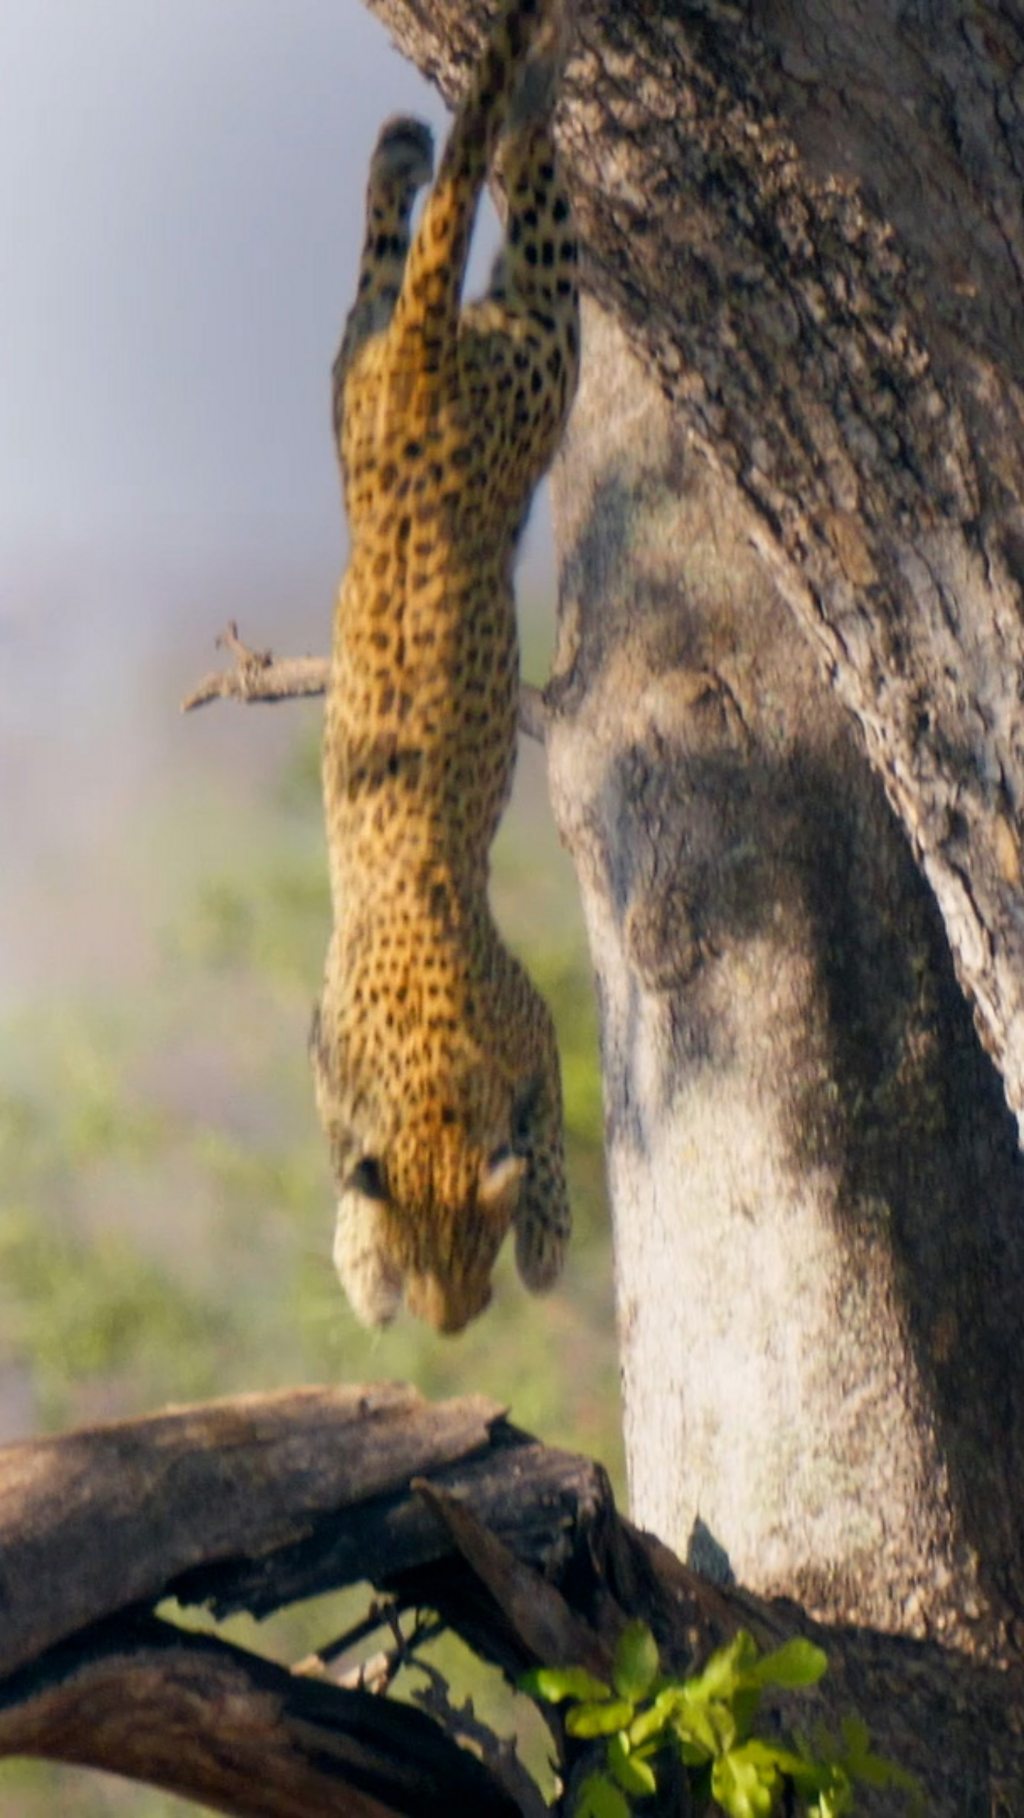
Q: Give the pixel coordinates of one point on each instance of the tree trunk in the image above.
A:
(816, 1185)
(817, 1204)
(786, 754)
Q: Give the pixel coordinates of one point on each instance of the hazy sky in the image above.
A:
(181, 186)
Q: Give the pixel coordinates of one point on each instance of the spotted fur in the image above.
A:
(434, 1058)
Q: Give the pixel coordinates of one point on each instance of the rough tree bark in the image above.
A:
(260, 1501)
(817, 1190)
(791, 535)
(809, 220)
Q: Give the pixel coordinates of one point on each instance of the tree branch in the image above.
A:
(257, 675)
(229, 1486)
(213, 1722)
(499, 1755)
(255, 1502)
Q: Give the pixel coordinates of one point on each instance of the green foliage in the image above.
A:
(270, 924)
(707, 1722)
(85, 1313)
(636, 1662)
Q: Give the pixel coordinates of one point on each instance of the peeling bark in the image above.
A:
(519, 1548)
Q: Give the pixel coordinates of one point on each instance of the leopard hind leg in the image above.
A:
(402, 162)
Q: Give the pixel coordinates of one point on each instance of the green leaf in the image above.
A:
(742, 1708)
(796, 1664)
(727, 1670)
(832, 1805)
(875, 1770)
(553, 1684)
(649, 1723)
(863, 1764)
(745, 1782)
(821, 1779)
(672, 1697)
(856, 1736)
(711, 1726)
(599, 1719)
(692, 1754)
(773, 1755)
(636, 1662)
(599, 1797)
(860, 1763)
(633, 1775)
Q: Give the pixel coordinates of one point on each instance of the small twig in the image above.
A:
(377, 1673)
(257, 675)
(498, 1753)
(244, 656)
(374, 1675)
(376, 1616)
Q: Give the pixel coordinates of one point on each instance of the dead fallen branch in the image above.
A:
(217, 1487)
(189, 1712)
(256, 1502)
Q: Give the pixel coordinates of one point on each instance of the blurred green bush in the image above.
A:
(165, 1208)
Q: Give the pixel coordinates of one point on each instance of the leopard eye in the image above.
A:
(523, 1113)
(366, 1178)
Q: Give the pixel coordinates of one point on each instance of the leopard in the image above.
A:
(435, 1060)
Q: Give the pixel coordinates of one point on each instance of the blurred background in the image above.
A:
(181, 191)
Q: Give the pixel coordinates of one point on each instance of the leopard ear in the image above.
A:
(501, 1178)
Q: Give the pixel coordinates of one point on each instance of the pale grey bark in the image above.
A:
(817, 1192)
